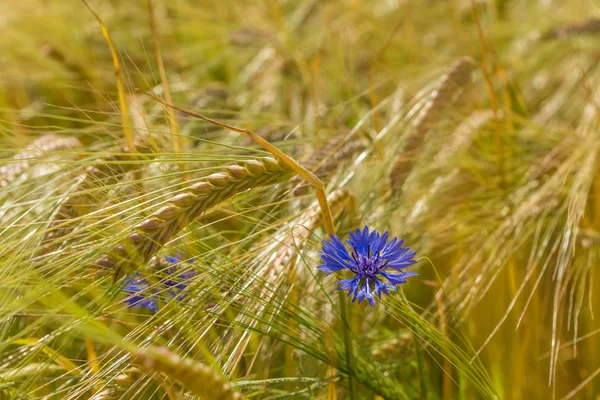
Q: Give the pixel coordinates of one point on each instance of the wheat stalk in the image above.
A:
(40, 147)
(162, 225)
(458, 77)
(123, 107)
(195, 376)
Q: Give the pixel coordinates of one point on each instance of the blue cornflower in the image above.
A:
(373, 254)
(137, 287)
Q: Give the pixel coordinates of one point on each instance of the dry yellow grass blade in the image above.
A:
(127, 130)
(58, 358)
(92, 356)
(178, 140)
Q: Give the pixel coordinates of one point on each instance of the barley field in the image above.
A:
(358, 199)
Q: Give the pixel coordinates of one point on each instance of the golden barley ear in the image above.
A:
(156, 230)
(458, 142)
(442, 96)
(194, 376)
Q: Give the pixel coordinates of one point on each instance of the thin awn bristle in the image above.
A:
(194, 376)
(164, 224)
(458, 77)
(462, 136)
(328, 157)
(111, 392)
(85, 195)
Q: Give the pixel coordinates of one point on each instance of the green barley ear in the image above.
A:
(194, 376)
(90, 189)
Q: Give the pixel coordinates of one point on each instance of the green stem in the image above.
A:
(347, 343)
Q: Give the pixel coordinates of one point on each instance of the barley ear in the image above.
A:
(194, 376)
(457, 77)
(162, 225)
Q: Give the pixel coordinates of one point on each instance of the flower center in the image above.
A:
(369, 266)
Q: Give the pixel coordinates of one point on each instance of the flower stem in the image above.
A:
(347, 343)
(330, 229)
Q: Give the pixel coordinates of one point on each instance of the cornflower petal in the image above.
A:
(137, 288)
(365, 293)
(142, 295)
(173, 259)
(381, 287)
(397, 279)
(360, 241)
(339, 247)
(379, 243)
(178, 283)
(329, 269)
(351, 285)
(334, 255)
